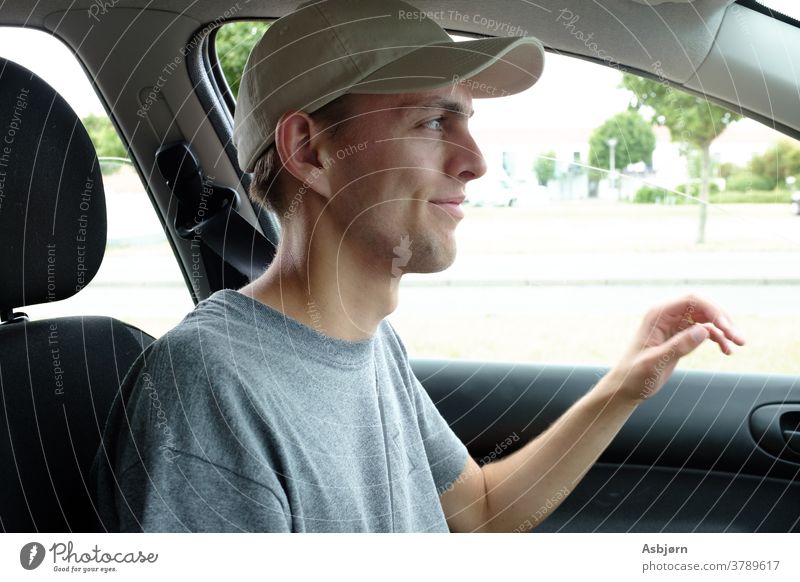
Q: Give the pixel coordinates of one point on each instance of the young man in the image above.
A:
(289, 405)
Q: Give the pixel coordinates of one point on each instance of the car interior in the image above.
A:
(713, 452)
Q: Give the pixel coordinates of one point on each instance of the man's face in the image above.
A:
(399, 155)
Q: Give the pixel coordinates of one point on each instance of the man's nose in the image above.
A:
(474, 164)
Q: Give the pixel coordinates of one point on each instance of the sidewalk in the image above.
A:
(739, 268)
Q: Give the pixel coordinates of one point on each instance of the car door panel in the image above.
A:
(703, 454)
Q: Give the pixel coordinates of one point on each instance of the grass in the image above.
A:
(751, 197)
(659, 196)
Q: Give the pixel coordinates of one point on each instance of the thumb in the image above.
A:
(685, 342)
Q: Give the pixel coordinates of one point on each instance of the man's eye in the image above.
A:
(438, 120)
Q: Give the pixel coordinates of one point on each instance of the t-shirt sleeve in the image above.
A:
(179, 492)
(447, 455)
(153, 472)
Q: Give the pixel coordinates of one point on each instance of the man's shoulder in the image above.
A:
(210, 329)
(192, 353)
(185, 380)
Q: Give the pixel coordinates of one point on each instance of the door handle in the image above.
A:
(776, 429)
(792, 439)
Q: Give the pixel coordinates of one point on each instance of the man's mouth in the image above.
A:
(451, 205)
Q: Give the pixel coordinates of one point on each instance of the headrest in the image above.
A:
(52, 206)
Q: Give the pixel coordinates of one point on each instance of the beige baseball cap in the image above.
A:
(327, 48)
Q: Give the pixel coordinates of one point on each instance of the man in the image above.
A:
(289, 405)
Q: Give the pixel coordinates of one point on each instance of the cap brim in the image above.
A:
(489, 67)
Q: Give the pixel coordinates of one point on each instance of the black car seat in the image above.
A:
(58, 377)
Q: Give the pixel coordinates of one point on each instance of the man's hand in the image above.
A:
(669, 332)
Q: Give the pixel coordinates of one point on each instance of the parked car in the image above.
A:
(796, 202)
(712, 452)
(493, 191)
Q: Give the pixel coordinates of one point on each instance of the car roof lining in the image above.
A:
(676, 36)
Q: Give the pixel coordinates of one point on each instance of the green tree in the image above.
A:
(728, 169)
(234, 42)
(545, 167)
(777, 163)
(635, 142)
(105, 139)
(692, 121)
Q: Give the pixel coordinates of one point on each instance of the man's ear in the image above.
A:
(302, 149)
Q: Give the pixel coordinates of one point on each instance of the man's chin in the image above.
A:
(432, 265)
(423, 254)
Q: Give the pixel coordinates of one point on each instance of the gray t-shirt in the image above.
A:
(244, 419)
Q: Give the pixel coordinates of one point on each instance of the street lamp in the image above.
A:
(612, 144)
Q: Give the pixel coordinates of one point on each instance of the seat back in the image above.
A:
(58, 377)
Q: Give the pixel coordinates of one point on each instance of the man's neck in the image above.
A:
(328, 289)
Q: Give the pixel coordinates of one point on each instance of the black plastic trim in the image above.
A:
(641, 499)
(212, 92)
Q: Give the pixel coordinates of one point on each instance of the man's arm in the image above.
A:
(519, 491)
(527, 486)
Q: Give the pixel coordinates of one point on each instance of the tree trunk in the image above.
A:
(705, 173)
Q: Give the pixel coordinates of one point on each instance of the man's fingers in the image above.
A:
(693, 309)
(724, 323)
(686, 341)
(717, 336)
